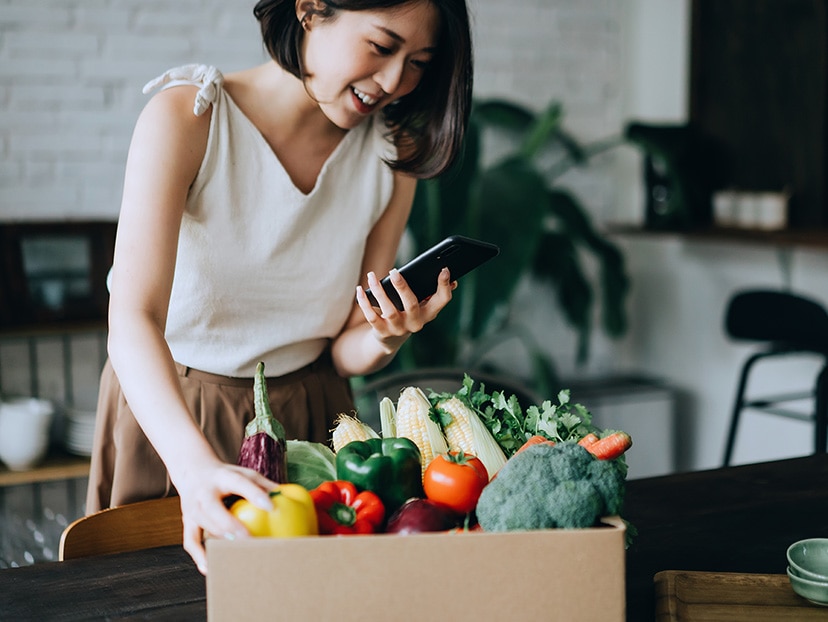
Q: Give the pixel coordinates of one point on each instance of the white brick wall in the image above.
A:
(71, 73)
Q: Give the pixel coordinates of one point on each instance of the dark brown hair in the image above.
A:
(428, 124)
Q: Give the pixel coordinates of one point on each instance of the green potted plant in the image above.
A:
(540, 227)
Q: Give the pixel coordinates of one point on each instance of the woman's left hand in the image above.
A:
(392, 327)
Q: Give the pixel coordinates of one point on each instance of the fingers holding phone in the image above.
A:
(414, 295)
(400, 298)
(432, 305)
(459, 254)
(383, 314)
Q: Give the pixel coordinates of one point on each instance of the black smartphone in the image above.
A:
(458, 253)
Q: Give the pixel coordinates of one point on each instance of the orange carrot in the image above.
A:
(610, 446)
(537, 439)
(588, 440)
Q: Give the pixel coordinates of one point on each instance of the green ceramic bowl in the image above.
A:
(809, 558)
(814, 591)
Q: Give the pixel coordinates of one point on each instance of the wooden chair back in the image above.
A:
(141, 525)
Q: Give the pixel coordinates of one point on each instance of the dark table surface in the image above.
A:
(739, 519)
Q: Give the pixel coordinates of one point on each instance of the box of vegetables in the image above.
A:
(465, 505)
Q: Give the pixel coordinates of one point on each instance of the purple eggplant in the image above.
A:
(421, 515)
(264, 447)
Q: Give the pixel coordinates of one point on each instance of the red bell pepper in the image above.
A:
(341, 510)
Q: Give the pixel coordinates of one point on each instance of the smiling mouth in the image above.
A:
(365, 98)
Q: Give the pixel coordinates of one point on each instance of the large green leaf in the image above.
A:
(558, 263)
(440, 204)
(544, 127)
(614, 281)
(509, 204)
(512, 204)
(615, 287)
(504, 115)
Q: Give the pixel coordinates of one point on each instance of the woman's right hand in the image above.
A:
(202, 505)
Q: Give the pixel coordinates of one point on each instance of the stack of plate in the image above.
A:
(80, 430)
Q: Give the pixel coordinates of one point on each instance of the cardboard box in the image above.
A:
(567, 575)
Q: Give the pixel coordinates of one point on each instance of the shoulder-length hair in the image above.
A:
(429, 123)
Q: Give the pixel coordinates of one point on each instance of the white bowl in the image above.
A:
(24, 431)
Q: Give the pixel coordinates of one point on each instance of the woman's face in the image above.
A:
(357, 62)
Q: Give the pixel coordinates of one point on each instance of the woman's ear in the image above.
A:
(306, 10)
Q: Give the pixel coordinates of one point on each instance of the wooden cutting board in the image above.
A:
(727, 597)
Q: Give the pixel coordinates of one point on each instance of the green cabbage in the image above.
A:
(310, 464)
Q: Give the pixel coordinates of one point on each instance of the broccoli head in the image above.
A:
(549, 486)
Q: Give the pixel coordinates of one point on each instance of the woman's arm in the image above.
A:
(371, 338)
(168, 145)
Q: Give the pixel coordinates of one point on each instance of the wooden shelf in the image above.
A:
(805, 238)
(56, 466)
(53, 329)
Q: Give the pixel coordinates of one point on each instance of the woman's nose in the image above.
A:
(390, 76)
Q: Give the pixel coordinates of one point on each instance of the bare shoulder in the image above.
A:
(169, 137)
(175, 106)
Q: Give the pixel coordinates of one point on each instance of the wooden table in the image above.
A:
(739, 519)
(155, 584)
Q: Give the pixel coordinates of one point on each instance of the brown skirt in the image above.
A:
(125, 467)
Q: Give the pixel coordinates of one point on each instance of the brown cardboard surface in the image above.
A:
(568, 575)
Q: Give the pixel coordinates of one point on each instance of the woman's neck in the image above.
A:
(277, 102)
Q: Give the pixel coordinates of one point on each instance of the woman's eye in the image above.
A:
(381, 49)
(420, 64)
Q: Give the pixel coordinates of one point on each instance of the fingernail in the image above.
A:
(394, 273)
(264, 503)
(229, 536)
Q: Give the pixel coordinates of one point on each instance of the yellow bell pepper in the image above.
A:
(293, 514)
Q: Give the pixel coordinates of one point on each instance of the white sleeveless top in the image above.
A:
(265, 272)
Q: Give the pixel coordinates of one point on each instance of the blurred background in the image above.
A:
(71, 73)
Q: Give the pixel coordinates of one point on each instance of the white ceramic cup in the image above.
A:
(24, 431)
(726, 208)
(771, 210)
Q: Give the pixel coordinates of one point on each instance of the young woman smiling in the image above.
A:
(257, 206)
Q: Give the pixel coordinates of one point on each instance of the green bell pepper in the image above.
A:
(388, 467)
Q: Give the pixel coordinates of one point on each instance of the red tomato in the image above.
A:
(455, 480)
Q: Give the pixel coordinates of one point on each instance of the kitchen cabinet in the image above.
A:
(759, 96)
(53, 274)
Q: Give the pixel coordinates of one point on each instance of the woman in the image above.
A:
(254, 206)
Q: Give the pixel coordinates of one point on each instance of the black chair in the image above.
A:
(788, 325)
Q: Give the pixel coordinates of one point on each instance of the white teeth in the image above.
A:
(365, 99)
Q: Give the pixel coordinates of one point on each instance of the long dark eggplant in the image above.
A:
(264, 447)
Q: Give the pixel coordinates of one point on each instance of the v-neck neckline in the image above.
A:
(333, 156)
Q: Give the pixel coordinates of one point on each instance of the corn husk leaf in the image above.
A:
(387, 418)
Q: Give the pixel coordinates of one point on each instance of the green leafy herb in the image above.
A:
(512, 426)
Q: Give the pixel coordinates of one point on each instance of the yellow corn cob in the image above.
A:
(467, 433)
(413, 422)
(349, 429)
(458, 432)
